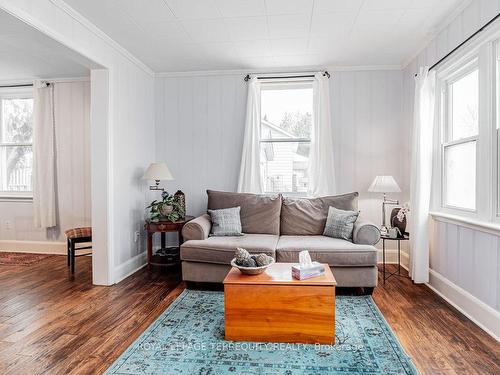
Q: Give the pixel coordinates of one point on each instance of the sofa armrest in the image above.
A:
(365, 233)
(197, 229)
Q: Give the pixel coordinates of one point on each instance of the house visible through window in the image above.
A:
(460, 136)
(16, 142)
(286, 124)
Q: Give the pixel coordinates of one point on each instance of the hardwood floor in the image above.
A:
(52, 324)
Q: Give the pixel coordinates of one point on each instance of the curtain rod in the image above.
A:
(21, 85)
(325, 73)
(464, 42)
(26, 85)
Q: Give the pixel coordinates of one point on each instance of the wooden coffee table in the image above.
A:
(274, 307)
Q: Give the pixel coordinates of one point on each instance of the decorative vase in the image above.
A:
(401, 225)
(180, 197)
(166, 210)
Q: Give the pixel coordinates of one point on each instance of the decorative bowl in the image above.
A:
(251, 270)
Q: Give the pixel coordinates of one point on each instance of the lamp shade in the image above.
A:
(157, 171)
(384, 184)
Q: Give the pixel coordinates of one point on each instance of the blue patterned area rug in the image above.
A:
(188, 338)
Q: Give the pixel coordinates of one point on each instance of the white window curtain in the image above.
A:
(250, 179)
(421, 173)
(321, 157)
(44, 189)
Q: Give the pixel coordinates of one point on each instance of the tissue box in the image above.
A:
(302, 273)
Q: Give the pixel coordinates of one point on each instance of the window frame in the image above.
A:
(15, 93)
(495, 71)
(281, 84)
(486, 48)
(446, 126)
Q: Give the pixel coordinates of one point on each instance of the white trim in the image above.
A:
(484, 316)
(25, 17)
(102, 35)
(37, 247)
(243, 72)
(130, 267)
(235, 72)
(391, 257)
(362, 68)
(482, 226)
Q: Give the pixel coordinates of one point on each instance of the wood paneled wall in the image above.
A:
(465, 262)
(200, 122)
(72, 119)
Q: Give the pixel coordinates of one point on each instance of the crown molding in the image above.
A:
(234, 72)
(457, 11)
(361, 68)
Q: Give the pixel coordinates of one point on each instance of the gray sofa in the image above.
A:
(281, 227)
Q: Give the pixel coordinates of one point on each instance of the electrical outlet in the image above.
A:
(7, 224)
(137, 235)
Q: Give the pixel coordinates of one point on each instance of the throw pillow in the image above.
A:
(225, 222)
(340, 223)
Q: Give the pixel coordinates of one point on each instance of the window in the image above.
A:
(286, 123)
(460, 133)
(16, 142)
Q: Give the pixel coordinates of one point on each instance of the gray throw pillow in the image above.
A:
(225, 222)
(340, 223)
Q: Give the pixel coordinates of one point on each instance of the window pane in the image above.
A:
(17, 120)
(16, 164)
(460, 175)
(465, 106)
(284, 166)
(286, 112)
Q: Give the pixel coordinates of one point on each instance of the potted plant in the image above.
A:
(168, 208)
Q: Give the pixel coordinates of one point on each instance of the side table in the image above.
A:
(163, 227)
(406, 237)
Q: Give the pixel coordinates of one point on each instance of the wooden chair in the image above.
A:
(75, 236)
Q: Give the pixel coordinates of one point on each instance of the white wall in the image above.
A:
(200, 120)
(72, 119)
(130, 133)
(465, 262)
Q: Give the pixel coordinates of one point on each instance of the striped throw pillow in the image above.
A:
(340, 223)
(225, 222)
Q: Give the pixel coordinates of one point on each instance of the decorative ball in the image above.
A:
(242, 257)
(248, 263)
(262, 260)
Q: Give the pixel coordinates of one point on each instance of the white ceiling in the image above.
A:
(26, 53)
(183, 35)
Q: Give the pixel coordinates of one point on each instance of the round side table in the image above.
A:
(386, 275)
(171, 254)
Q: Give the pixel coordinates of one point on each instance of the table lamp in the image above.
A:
(384, 185)
(157, 172)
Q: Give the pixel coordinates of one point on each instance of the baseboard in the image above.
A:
(131, 266)
(391, 257)
(37, 247)
(487, 318)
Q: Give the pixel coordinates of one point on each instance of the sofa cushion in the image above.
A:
(221, 249)
(308, 216)
(333, 251)
(260, 214)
